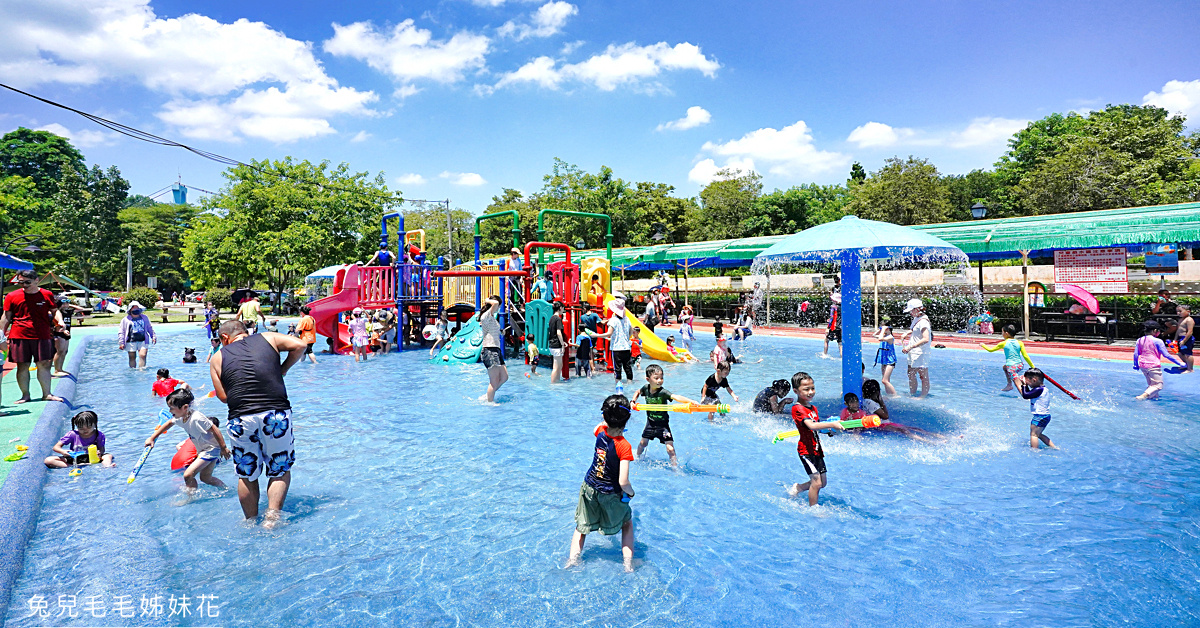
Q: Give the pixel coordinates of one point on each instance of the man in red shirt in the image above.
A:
(28, 322)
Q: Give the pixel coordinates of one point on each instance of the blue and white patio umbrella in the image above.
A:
(849, 242)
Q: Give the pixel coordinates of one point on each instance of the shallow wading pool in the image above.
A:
(415, 504)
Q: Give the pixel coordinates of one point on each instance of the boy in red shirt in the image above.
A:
(809, 448)
(605, 492)
(28, 322)
(165, 384)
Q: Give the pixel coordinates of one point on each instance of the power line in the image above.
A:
(144, 136)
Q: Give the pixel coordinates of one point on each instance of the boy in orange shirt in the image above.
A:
(308, 332)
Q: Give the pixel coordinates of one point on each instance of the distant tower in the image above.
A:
(179, 190)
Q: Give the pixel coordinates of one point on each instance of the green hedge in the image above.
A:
(222, 298)
(142, 294)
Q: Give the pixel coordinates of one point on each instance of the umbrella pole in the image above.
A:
(1025, 290)
(851, 271)
(686, 292)
(875, 278)
(768, 297)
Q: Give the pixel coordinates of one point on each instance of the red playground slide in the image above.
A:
(344, 298)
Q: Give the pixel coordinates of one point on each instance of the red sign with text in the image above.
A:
(1099, 271)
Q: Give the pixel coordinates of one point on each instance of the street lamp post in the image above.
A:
(979, 210)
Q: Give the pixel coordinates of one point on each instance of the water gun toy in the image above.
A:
(719, 408)
(21, 451)
(163, 417)
(1173, 347)
(76, 472)
(870, 420)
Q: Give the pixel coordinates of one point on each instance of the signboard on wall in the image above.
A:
(1099, 271)
(1162, 259)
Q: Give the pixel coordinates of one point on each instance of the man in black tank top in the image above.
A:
(247, 375)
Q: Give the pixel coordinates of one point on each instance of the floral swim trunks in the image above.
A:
(262, 441)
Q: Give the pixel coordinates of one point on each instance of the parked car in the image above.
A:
(195, 297)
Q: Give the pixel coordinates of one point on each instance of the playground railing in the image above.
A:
(377, 286)
(416, 282)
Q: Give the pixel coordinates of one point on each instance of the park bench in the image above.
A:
(191, 313)
(166, 311)
(1063, 324)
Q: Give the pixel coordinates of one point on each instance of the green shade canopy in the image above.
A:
(1041, 235)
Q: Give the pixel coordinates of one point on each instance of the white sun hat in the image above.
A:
(912, 305)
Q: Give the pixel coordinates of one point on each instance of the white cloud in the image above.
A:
(874, 134)
(548, 20)
(409, 53)
(696, 116)
(361, 136)
(616, 66)
(788, 152)
(404, 91)
(570, 47)
(411, 178)
(985, 132)
(83, 138)
(705, 171)
(211, 68)
(980, 132)
(1178, 97)
(469, 179)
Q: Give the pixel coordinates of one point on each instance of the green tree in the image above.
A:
(724, 205)
(796, 209)
(279, 220)
(858, 174)
(39, 155)
(905, 191)
(87, 230)
(977, 186)
(20, 202)
(155, 232)
(654, 205)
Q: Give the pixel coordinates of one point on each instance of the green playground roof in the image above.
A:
(1042, 235)
(980, 239)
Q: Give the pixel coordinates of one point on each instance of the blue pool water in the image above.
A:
(415, 504)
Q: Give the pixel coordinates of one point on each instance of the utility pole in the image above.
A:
(128, 268)
(449, 235)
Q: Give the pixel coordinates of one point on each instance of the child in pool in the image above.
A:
(164, 383)
(531, 352)
(658, 424)
(605, 493)
(1033, 388)
(85, 433)
(872, 403)
(1147, 358)
(583, 354)
(1015, 356)
(718, 380)
(885, 356)
(635, 348)
(205, 434)
(681, 353)
(357, 326)
(441, 332)
(213, 349)
(773, 399)
(808, 422)
(686, 333)
(851, 410)
(1185, 334)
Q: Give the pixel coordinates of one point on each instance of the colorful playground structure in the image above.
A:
(421, 291)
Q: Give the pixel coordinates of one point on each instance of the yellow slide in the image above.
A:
(652, 346)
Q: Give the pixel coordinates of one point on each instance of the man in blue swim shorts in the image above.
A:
(248, 375)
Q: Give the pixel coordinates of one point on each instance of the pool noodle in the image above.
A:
(163, 417)
(868, 421)
(720, 408)
(1051, 380)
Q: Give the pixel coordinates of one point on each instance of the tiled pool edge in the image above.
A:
(21, 495)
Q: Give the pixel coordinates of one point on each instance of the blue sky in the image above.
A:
(459, 98)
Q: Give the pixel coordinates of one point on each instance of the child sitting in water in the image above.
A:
(772, 399)
(851, 410)
(164, 383)
(1033, 388)
(605, 493)
(1147, 358)
(872, 403)
(808, 422)
(658, 424)
(531, 352)
(72, 448)
(1015, 356)
(718, 380)
(206, 438)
